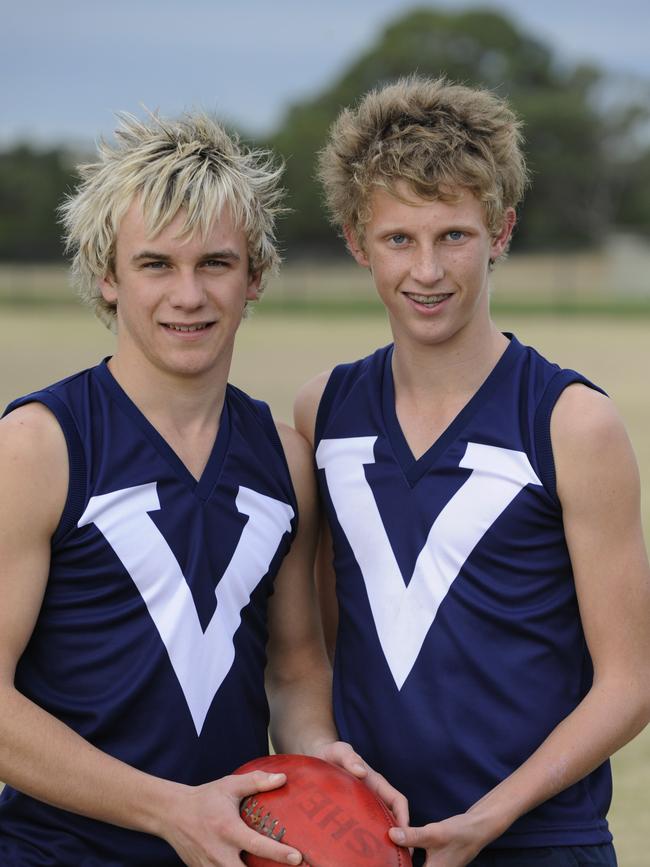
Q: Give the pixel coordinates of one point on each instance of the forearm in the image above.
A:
(301, 715)
(610, 715)
(42, 757)
(302, 722)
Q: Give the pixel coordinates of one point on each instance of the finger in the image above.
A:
(393, 799)
(341, 753)
(241, 785)
(400, 810)
(353, 763)
(258, 843)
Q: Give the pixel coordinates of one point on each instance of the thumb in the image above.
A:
(255, 781)
(408, 837)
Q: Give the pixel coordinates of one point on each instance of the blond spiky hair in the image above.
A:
(190, 163)
(435, 136)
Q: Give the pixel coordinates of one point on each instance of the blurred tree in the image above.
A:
(568, 138)
(32, 185)
(630, 159)
(590, 166)
(634, 209)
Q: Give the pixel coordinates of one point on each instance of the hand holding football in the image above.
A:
(330, 816)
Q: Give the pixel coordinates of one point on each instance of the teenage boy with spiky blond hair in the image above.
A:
(491, 623)
(149, 538)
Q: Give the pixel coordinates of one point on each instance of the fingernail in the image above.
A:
(275, 778)
(359, 767)
(294, 858)
(397, 835)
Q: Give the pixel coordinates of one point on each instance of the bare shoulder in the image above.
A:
(34, 460)
(589, 438)
(32, 431)
(586, 418)
(306, 404)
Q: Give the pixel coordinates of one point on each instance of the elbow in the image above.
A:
(625, 701)
(639, 708)
(643, 697)
(644, 710)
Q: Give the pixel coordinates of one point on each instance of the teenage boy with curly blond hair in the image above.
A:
(491, 624)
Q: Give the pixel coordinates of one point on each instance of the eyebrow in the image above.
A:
(164, 257)
(400, 229)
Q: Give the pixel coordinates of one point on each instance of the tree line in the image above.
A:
(588, 147)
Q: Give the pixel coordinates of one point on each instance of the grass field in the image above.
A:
(276, 353)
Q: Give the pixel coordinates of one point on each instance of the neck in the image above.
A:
(169, 401)
(455, 367)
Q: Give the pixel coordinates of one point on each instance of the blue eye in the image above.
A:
(398, 240)
(456, 235)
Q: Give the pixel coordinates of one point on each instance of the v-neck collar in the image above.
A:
(414, 469)
(210, 475)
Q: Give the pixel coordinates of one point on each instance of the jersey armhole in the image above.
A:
(76, 496)
(542, 424)
(265, 418)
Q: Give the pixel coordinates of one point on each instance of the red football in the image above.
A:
(330, 816)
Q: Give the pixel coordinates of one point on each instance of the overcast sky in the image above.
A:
(67, 65)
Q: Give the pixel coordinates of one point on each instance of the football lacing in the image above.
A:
(263, 822)
(253, 812)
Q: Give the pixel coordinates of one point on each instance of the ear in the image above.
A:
(354, 246)
(253, 288)
(501, 241)
(107, 285)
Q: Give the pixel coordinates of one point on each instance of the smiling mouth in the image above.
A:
(186, 329)
(428, 300)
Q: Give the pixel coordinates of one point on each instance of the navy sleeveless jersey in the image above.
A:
(151, 638)
(459, 644)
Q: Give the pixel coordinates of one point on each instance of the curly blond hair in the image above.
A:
(434, 135)
(191, 163)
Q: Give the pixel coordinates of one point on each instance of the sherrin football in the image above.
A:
(326, 813)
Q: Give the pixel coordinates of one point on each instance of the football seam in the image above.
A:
(389, 815)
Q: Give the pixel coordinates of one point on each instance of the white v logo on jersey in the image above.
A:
(403, 614)
(200, 660)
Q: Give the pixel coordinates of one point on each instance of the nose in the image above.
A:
(427, 268)
(188, 291)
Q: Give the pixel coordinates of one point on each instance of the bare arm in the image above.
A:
(40, 755)
(598, 486)
(305, 409)
(298, 674)
(299, 677)
(326, 587)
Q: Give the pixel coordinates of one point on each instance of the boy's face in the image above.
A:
(179, 300)
(430, 263)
